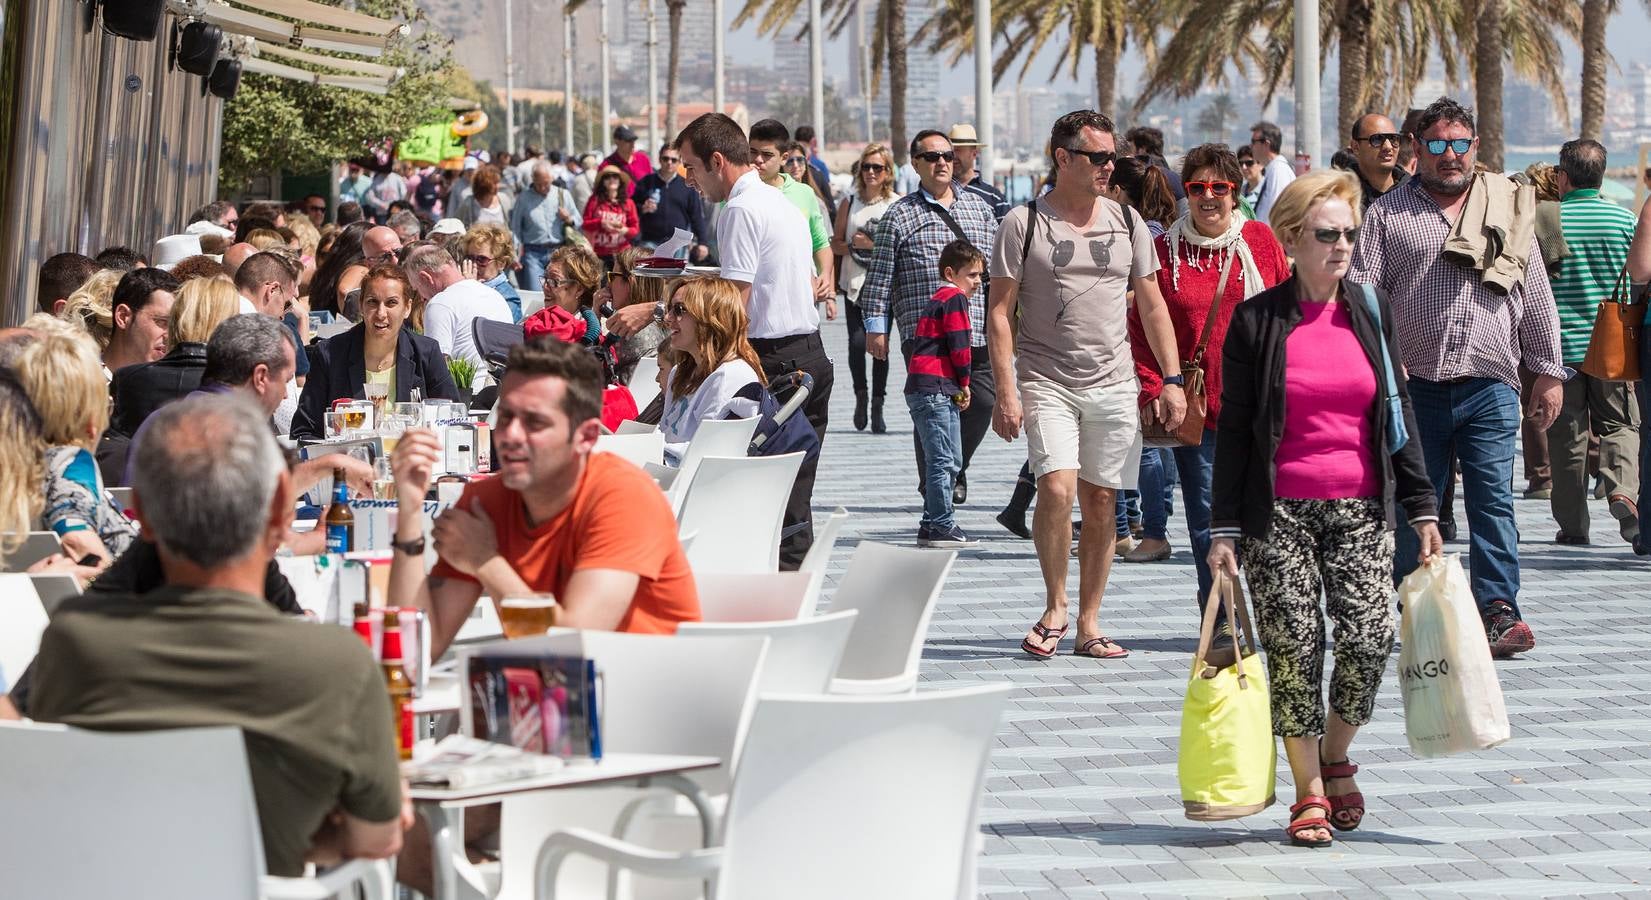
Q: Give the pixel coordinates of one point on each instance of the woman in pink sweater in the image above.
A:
(1313, 452)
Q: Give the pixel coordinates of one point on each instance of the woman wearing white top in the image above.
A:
(714, 370)
(856, 223)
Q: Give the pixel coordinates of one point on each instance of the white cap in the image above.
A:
(204, 227)
(471, 164)
(447, 226)
(175, 248)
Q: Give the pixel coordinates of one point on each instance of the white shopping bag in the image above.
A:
(1452, 699)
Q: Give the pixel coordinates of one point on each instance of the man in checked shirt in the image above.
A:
(1461, 345)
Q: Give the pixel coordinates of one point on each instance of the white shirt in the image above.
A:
(448, 317)
(1274, 179)
(713, 399)
(759, 243)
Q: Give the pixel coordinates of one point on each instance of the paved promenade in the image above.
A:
(1081, 796)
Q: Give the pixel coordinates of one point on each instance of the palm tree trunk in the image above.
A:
(1106, 71)
(1353, 50)
(673, 9)
(894, 12)
(1595, 13)
(1487, 81)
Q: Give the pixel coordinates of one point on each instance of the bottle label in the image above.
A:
(404, 727)
(338, 538)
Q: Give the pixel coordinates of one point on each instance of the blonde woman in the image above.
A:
(64, 379)
(22, 470)
(139, 390)
(715, 373)
(489, 248)
(92, 307)
(852, 240)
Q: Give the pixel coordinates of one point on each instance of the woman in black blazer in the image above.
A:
(379, 348)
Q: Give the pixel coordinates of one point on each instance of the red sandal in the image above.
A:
(1295, 827)
(1347, 810)
(1045, 632)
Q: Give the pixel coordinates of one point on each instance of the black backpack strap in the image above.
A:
(1026, 240)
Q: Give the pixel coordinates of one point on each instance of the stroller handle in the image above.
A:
(802, 384)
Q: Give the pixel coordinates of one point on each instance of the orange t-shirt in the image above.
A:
(618, 519)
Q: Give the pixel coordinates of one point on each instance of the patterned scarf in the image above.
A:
(1208, 251)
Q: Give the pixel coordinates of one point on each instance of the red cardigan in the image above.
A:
(1190, 306)
(598, 211)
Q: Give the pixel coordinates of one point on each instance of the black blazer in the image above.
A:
(338, 368)
(139, 390)
(1252, 413)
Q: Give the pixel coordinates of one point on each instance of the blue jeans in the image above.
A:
(938, 424)
(535, 259)
(1157, 492)
(1478, 421)
(1196, 466)
(1128, 508)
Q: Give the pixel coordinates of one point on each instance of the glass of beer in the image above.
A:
(527, 616)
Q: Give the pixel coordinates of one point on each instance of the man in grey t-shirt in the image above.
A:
(1074, 376)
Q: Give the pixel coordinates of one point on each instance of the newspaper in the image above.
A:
(457, 761)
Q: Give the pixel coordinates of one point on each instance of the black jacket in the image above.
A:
(141, 389)
(338, 368)
(1252, 413)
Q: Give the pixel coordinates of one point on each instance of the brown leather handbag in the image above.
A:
(1614, 348)
(1191, 431)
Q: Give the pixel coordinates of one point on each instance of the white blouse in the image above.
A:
(713, 399)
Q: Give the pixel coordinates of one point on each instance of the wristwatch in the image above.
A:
(659, 312)
(1176, 380)
(414, 547)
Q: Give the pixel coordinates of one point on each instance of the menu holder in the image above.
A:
(540, 703)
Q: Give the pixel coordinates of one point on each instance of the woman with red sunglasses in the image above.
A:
(1213, 244)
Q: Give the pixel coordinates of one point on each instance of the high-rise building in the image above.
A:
(922, 68)
(1639, 87)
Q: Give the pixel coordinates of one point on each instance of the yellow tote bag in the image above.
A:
(1228, 758)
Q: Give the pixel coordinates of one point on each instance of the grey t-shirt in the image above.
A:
(1073, 293)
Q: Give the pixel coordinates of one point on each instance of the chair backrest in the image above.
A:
(737, 504)
(890, 784)
(803, 655)
(755, 596)
(532, 301)
(719, 437)
(639, 449)
(644, 383)
(122, 496)
(22, 619)
(632, 426)
(895, 589)
(78, 824)
(36, 546)
(825, 541)
(53, 588)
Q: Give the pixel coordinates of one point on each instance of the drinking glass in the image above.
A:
(379, 395)
(337, 423)
(527, 616)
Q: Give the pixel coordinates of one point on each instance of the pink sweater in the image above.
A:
(1329, 388)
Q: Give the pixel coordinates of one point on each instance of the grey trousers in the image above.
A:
(1606, 409)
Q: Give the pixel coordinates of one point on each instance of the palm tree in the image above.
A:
(1212, 121)
(1525, 34)
(673, 9)
(1596, 15)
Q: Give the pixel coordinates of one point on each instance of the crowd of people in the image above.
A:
(1315, 359)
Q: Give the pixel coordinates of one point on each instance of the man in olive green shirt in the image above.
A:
(211, 490)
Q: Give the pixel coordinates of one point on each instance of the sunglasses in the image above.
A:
(1210, 188)
(1097, 158)
(479, 260)
(873, 167)
(796, 161)
(677, 310)
(320, 209)
(1331, 235)
(1246, 163)
(935, 156)
(1386, 137)
(673, 160)
(1459, 146)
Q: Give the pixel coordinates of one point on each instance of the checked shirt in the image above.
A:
(905, 266)
(1449, 325)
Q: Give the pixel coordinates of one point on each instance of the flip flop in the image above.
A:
(1117, 651)
(1045, 632)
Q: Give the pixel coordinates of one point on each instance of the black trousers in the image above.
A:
(779, 356)
(977, 419)
(857, 356)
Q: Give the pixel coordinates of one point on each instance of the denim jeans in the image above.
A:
(1157, 492)
(1477, 420)
(938, 425)
(1127, 508)
(1196, 466)
(535, 259)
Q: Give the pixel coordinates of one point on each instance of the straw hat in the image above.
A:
(624, 177)
(963, 135)
(173, 249)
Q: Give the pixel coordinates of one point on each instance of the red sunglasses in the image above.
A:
(1212, 188)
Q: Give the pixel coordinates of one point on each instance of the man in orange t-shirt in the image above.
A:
(591, 529)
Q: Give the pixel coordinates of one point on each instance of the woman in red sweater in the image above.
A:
(610, 220)
(1192, 254)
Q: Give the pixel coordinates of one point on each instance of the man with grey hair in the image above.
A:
(406, 225)
(454, 301)
(251, 354)
(211, 490)
(539, 221)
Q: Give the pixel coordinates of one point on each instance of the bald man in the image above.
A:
(235, 255)
(1376, 144)
(379, 245)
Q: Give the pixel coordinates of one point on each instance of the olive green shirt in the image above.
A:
(308, 698)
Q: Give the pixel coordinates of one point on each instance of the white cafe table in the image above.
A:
(442, 809)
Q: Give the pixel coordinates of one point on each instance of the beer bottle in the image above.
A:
(364, 623)
(395, 681)
(340, 522)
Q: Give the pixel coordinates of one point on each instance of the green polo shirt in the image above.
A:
(308, 698)
(808, 203)
(1598, 232)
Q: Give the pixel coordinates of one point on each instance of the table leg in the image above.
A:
(695, 795)
(455, 878)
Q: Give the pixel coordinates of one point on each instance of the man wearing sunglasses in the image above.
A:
(905, 273)
(1376, 146)
(1462, 344)
(669, 202)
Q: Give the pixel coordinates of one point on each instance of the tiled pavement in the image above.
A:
(1081, 796)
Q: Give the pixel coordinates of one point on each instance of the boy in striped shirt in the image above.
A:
(937, 390)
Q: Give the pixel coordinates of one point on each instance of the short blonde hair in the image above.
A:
(91, 306)
(63, 376)
(308, 236)
(203, 304)
(1307, 191)
(492, 238)
(266, 239)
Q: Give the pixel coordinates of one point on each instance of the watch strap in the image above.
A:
(414, 547)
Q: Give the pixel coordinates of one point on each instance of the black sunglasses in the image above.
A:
(1331, 235)
(1097, 158)
(873, 167)
(934, 156)
(677, 310)
(1386, 137)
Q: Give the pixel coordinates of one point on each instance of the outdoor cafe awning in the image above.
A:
(316, 27)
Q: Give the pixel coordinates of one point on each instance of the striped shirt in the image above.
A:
(1598, 232)
(905, 265)
(1449, 325)
(940, 354)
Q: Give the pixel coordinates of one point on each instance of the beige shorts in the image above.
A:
(1096, 431)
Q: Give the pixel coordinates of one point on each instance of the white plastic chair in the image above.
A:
(632, 426)
(713, 437)
(53, 588)
(36, 546)
(644, 383)
(22, 619)
(187, 828)
(825, 541)
(803, 654)
(895, 589)
(890, 785)
(728, 597)
(737, 504)
(639, 449)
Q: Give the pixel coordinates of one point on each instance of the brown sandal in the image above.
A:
(1045, 632)
(1295, 827)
